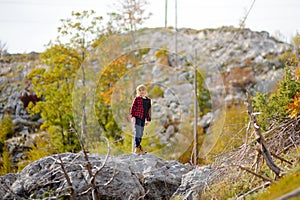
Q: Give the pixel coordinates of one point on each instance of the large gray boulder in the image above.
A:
(122, 177)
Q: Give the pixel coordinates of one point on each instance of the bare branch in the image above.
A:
(91, 179)
(103, 164)
(8, 190)
(254, 173)
(254, 190)
(111, 179)
(67, 177)
(280, 158)
(260, 139)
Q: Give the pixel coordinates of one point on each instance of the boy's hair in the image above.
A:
(140, 87)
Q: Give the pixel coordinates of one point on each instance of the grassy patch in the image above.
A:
(283, 186)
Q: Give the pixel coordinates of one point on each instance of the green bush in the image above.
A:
(6, 164)
(275, 106)
(156, 92)
(6, 130)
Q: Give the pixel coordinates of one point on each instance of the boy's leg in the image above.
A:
(138, 134)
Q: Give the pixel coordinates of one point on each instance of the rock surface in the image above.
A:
(122, 177)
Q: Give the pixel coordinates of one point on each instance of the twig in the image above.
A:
(280, 158)
(7, 189)
(103, 164)
(254, 173)
(67, 177)
(254, 190)
(142, 197)
(111, 179)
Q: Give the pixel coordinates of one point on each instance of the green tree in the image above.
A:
(276, 105)
(53, 85)
(65, 60)
(80, 32)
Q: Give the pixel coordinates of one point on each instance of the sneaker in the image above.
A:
(142, 152)
(137, 150)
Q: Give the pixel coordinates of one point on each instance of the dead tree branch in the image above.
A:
(254, 173)
(260, 139)
(7, 189)
(266, 184)
(67, 177)
(280, 158)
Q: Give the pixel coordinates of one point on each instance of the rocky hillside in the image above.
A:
(231, 59)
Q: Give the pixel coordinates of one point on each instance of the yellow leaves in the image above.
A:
(35, 75)
(294, 107)
(297, 73)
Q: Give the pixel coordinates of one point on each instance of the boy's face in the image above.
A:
(142, 92)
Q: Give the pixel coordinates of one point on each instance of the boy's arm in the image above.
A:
(148, 115)
(133, 108)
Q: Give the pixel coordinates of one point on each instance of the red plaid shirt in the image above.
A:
(137, 109)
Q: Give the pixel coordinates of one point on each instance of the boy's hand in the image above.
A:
(133, 120)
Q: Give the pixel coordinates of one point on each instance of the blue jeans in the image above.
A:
(138, 134)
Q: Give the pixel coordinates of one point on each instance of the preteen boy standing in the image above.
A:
(140, 113)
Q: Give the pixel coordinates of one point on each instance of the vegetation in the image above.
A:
(156, 92)
(6, 131)
(54, 87)
(233, 134)
(44, 145)
(276, 110)
(285, 185)
(284, 102)
(67, 62)
(203, 95)
(6, 163)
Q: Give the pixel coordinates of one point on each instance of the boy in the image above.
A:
(140, 113)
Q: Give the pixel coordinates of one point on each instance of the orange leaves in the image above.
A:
(294, 108)
(111, 74)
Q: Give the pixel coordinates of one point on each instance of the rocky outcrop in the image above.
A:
(242, 58)
(122, 177)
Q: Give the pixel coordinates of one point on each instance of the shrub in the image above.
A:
(156, 92)
(276, 105)
(6, 165)
(6, 130)
(42, 147)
